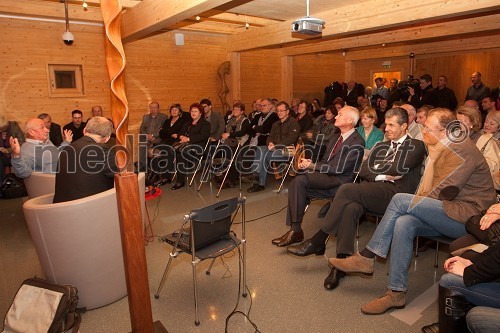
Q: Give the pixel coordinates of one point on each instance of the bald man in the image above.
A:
(37, 153)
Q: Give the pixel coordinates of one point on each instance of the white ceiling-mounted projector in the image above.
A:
(308, 25)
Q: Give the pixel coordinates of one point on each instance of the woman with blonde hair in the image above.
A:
(368, 131)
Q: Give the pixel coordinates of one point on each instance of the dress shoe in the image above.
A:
(432, 328)
(324, 210)
(306, 248)
(333, 279)
(281, 238)
(292, 237)
(177, 186)
(256, 188)
(354, 264)
(390, 300)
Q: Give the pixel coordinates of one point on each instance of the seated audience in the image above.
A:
(382, 107)
(492, 125)
(321, 180)
(55, 133)
(368, 131)
(338, 103)
(149, 133)
(192, 140)
(77, 125)
(236, 132)
(323, 130)
(162, 167)
(255, 109)
(87, 166)
(216, 120)
(304, 119)
(392, 167)
(8, 130)
(456, 185)
(414, 129)
(422, 114)
(284, 132)
(37, 153)
(317, 110)
(471, 282)
(471, 120)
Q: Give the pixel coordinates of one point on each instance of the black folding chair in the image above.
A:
(194, 240)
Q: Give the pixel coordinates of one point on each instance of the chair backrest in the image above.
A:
(38, 184)
(211, 223)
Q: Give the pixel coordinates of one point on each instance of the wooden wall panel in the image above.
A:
(158, 70)
(27, 47)
(312, 73)
(260, 76)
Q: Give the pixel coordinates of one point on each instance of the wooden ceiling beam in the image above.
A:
(430, 31)
(424, 49)
(50, 10)
(364, 17)
(153, 15)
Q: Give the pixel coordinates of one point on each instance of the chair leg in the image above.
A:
(210, 267)
(196, 319)
(357, 228)
(286, 174)
(437, 255)
(416, 247)
(164, 277)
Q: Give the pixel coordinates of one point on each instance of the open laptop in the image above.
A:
(205, 233)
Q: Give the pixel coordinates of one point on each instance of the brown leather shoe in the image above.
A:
(354, 264)
(292, 238)
(278, 240)
(380, 305)
(432, 328)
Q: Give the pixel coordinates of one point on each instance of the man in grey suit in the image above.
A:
(150, 132)
(216, 120)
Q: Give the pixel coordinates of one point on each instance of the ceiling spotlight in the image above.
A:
(85, 5)
(68, 37)
(247, 25)
(198, 17)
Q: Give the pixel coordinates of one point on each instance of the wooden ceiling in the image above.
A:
(349, 24)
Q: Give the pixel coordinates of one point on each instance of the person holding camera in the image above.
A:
(424, 94)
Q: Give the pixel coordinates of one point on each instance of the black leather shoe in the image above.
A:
(256, 188)
(291, 237)
(178, 186)
(281, 238)
(324, 210)
(306, 249)
(333, 279)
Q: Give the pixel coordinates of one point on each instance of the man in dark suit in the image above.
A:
(393, 166)
(338, 166)
(350, 96)
(55, 134)
(77, 125)
(87, 166)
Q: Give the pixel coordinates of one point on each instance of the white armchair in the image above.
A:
(79, 243)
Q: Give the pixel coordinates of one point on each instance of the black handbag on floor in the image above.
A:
(13, 187)
(43, 307)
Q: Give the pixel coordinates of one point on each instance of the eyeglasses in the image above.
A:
(428, 130)
(205, 106)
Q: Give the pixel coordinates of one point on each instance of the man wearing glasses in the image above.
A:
(77, 125)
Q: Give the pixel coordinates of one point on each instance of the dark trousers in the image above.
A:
(350, 202)
(308, 185)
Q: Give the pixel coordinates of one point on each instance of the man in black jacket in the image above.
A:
(393, 167)
(55, 134)
(87, 166)
(284, 132)
(426, 95)
(446, 96)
